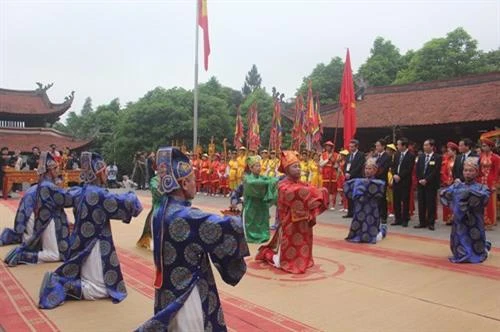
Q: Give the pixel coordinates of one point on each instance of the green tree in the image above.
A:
(253, 81)
(383, 64)
(87, 106)
(326, 80)
(443, 58)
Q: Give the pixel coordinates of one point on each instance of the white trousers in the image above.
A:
(93, 287)
(28, 232)
(190, 317)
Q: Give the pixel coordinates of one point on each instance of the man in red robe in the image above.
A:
(299, 204)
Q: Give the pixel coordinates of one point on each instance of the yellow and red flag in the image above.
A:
(203, 23)
(238, 131)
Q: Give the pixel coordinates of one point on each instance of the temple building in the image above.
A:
(26, 117)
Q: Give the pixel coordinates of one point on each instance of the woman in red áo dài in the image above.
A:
(489, 171)
(447, 177)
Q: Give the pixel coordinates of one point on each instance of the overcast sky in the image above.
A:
(108, 49)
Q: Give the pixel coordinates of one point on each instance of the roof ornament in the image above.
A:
(70, 97)
(41, 87)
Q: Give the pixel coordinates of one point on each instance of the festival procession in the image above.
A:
(367, 199)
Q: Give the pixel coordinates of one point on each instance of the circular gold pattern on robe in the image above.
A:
(92, 198)
(304, 250)
(110, 277)
(373, 231)
(44, 214)
(105, 247)
(53, 298)
(372, 188)
(169, 253)
(192, 253)
(153, 325)
(180, 277)
(361, 216)
(365, 237)
(478, 247)
(166, 297)
(370, 219)
(59, 199)
(364, 227)
(64, 230)
(44, 193)
(203, 289)
(289, 196)
(106, 230)
(210, 232)
(220, 317)
(227, 247)
(63, 245)
(110, 204)
(84, 212)
(121, 287)
(237, 225)
(76, 242)
(99, 216)
(87, 229)
(291, 253)
(474, 233)
(70, 270)
(121, 215)
(212, 302)
(179, 229)
(297, 239)
(113, 259)
(474, 201)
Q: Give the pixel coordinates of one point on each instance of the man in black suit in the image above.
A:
(465, 147)
(354, 165)
(404, 162)
(383, 163)
(428, 177)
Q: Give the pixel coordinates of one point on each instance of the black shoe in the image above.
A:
(431, 227)
(396, 223)
(420, 226)
(449, 224)
(405, 225)
(346, 216)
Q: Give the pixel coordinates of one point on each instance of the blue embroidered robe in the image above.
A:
(23, 214)
(184, 239)
(49, 205)
(95, 207)
(468, 239)
(365, 194)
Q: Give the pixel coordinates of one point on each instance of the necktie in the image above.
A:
(427, 157)
(400, 161)
(463, 158)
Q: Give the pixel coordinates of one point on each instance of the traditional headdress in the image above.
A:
(472, 161)
(391, 146)
(45, 163)
(451, 145)
(252, 160)
(173, 165)
(91, 165)
(488, 142)
(328, 143)
(344, 152)
(288, 158)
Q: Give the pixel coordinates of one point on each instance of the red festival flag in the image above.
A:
(348, 102)
(238, 131)
(203, 23)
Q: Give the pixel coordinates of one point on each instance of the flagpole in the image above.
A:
(195, 104)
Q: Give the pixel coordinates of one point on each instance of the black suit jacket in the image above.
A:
(433, 172)
(384, 163)
(405, 170)
(458, 166)
(357, 163)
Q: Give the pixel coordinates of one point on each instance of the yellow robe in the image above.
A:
(273, 165)
(315, 174)
(233, 174)
(242, 163)
(304, 171)
(264, 163)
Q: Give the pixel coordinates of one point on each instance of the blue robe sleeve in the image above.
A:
(122, 206)
(224, 240)
(349, 188)
(446, 195)
(479, 195)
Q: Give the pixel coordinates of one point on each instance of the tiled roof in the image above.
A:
(467, 99)
(32, 102)
(25, 138)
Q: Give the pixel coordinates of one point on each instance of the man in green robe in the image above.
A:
(146, 238)
(259, 193)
